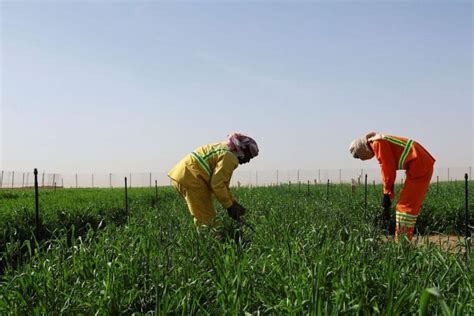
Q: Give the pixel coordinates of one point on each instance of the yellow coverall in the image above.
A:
(205, 172)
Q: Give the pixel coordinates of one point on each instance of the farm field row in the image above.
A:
(310, 253)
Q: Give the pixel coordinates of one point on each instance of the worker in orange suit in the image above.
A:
(207, 171)
(396, 153)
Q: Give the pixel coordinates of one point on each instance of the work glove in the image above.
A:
(386, 202)
(236, 210)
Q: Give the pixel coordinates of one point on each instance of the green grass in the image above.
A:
(308, 255)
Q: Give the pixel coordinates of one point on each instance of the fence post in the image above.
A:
(299, 186)
(437, 184)
(13, 179)
(156, 190)
(42, 180)
(76, 180)
(466, 215)
(340, 176)
(365, 196)
(448, 175)
(23, 180)
(277, 176)
(36, 204)
(319, 175)
(130, 183)
(308, 187)
(62, 182)
(327, 191)
(126, 196)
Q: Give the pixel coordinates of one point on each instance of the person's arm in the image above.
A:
(220, 180)
(384, 155)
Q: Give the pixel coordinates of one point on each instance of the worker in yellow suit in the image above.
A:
(398, 153)
(207, 171)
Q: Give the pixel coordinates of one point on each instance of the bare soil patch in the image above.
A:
(449, 243)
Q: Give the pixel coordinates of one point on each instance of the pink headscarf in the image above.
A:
(236, 142)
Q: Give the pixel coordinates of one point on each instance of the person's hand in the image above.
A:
(236, 210)
(386, 202)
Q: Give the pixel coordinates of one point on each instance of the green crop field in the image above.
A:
(313, 251)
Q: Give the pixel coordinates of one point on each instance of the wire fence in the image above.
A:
(18, 179)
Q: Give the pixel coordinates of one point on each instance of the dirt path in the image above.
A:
(449, 243)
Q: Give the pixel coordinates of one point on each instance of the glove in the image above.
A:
(236, 210)
(386, 202)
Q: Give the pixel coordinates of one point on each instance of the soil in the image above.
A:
(449, 243)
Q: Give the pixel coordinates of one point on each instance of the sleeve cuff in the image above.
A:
(227, 204)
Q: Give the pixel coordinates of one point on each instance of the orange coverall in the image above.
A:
(397, 153)
(205, 172)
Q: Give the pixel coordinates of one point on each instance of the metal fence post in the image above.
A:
(437, 184)
(126, 196)
(327, 191)
(466, 214)
(36, 204)
(365, 196)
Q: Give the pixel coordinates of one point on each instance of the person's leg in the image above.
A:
(201, 207)
(409, 205)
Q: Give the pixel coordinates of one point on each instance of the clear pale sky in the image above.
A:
(103, 86)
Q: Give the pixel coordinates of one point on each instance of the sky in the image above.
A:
(108, 86)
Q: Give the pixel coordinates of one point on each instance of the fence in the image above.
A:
(321, 176)
(15, 179)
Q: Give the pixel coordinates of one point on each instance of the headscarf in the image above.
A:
(360, 147)
(237, 142)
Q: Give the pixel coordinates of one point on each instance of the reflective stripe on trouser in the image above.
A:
(199, 203)
(409, 204)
